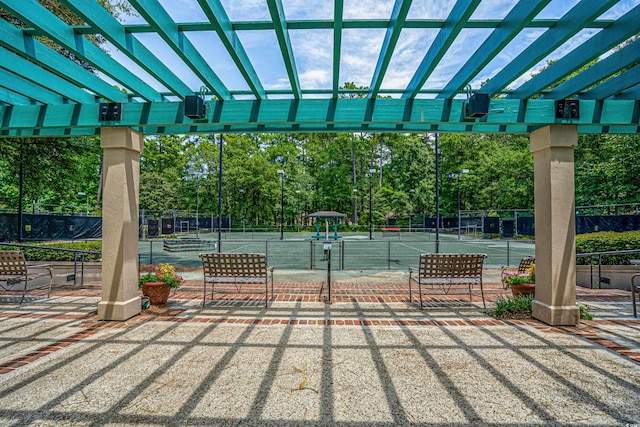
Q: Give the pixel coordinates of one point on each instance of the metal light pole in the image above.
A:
(355, 205)
(299, 212)
(411, 191)
(282, 177)
(82, 193)
(242, 202)
(370, 175)
(457, 176)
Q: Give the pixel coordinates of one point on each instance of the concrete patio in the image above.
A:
(362, 360)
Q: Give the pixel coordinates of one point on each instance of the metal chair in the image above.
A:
(523, 267)
(14, 271)
(635, 292)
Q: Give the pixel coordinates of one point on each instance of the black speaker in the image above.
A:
(110, 112)
(567, 109)
(478, 105)
(194, 107)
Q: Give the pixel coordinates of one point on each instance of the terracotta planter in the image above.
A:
(158, 292)
(523, 290)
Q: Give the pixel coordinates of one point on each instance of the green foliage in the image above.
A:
(522, 307)
(163, 273)
(516, 306)
(37, 254)
(608, 241)
(585, 312)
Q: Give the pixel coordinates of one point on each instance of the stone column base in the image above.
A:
(568, 315)
(119, 310)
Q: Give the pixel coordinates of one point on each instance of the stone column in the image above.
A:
(552, 149)
(120, 201)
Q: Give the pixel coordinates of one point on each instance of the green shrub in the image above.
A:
(516, 306)
(585, 312)
(41, 254)
(608, 241)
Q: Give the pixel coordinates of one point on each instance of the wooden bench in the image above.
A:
(237, 270)
(14, 271)
(448, 272)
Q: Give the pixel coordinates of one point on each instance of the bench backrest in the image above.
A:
(433, 266)
(525, 264)
(234, 265)
(12, 263)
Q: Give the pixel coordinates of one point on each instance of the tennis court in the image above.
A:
(354, 251)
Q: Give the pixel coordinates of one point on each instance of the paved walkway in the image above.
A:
(363, 360)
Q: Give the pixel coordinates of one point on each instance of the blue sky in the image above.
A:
(313, 49)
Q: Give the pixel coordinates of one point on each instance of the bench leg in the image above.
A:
(634, 290)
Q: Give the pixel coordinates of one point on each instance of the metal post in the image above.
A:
(282, 177)
(458, 179)
(197, 206)
(21, 172)
(437, 198)
(220, 199)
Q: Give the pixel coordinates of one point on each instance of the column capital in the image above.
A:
(121, 137)
(554, 136)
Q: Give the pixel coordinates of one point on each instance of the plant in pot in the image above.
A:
(521, 284)
(157, 284)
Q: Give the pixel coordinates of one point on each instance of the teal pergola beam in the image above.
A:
(31, 12)
(606, 39)
(9, 97)
(326, 24)
(517, 19)
(632, 93)
(396, 24)
(572, 22)
(338, 10)
(29, 89)
(30, 71)
(289, 115)
(459, 15)
(109, 27)
(614, 86)
(612, 64)
(159, 19)
(218, 17)
(282, 33)
(23, 44)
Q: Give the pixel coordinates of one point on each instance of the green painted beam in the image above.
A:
(159, 19)
(606, 39)
(28, 89)
(631, 93)
(282, 33)
(396, 24)
(34, 14)
(460, 14)
(613, 86)
(14, 39)
(338, 9)
(517, 19)
(10, 97)
(216, 14)
(30, 71)
(325, 24)
(571, 23)
(610, 65)
(109, 27)
(354, 114)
